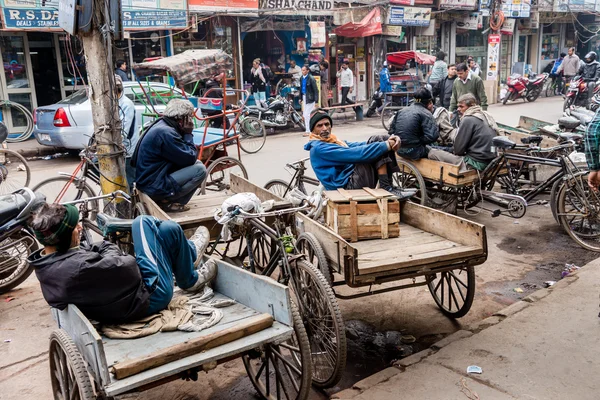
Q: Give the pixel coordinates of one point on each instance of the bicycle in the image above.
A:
(554, 87)
(272, 247)
(281, 188)
(7, 107)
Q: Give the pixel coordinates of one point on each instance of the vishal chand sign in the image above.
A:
(298, 6)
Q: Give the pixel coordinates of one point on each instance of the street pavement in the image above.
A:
(522, 253)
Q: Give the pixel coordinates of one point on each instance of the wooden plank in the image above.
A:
(277, 333)
(445, 225)
(384, 218)
(444, 255)
(414, 252)
(403, 241)
(241, 185)
(353, 223)
(255, 291)
(86, 339)
(347, 195)
(369, 232)
(153, 208)
(368, 208)
(194, 346)
(344, 221)
(343, 195)
(531, 124)
(449, 173)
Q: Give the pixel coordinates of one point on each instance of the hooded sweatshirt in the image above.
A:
(105, 284)
(334, 164)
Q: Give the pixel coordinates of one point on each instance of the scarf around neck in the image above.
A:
(477, 112)
(331, 139)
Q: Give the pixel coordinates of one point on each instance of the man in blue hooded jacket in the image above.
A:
(352, 165)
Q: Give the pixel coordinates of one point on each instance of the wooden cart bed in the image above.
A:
(445, 173)
(254, 296)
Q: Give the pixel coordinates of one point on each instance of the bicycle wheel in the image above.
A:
(278, 187)
(554, 199)
(388, 111)
(253, 134)
(14, 171)
(409, 177)
(285, 367)
(218, 174)
(68, 371)
(322, 320)
(61, 189)
(579, 212)
(452, 292)
(548, 88)
(309, 245)
(8, 105)
(14, 268)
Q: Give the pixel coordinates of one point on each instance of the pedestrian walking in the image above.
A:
(259, 83)
(443, 89)
(439, 70)
(570, 65)
(324, 73)
(310, 94)
(468, 82)
(346, 78)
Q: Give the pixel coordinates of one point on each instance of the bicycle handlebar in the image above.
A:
(295, 163)
(117, 194)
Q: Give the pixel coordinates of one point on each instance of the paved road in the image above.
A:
(529, 251)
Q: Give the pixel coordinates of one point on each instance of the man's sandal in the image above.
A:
(175, 207)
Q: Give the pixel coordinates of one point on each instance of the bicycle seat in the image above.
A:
(570, 136)
(532, 139)
(569, 122)
(502, 142)
(108, 224)
(11, 205)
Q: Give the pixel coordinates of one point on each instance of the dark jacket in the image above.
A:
(474, 139)
(105, 284)
(258, 85)
(417, 128)
(122, 74)
(590, 72)
(443, 90)
(312, 92)
(162, 150)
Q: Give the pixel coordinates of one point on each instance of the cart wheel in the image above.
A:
(579, 212)
(409, 177)
(68, 372)
(282, 371)
(554, 199)
(468, 197)
(218, 174)
(308, 244)
(387, 112)
(323, 322)
(253, 135)
(453, 291)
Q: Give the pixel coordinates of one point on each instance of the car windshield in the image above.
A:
(77, 97)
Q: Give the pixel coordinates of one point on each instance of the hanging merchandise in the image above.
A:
(317, 33)
(315, 55)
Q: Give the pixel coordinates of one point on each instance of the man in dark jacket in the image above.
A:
(310, 94)
(443, 89)
(166, 159)
(352, 165)
(416, 126)
(107, 285)
(473, 141)
(590, 72)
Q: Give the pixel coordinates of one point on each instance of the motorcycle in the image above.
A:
(279, 112)
(17, 241)
(376, 103)
(526, 88)
(577, 94)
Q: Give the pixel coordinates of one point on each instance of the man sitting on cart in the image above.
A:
(166, 159)
(352, 165)
(103, 282)
(416, 126)
(473, 141)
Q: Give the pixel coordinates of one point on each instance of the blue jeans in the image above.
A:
(161, 251)
(189, 180)
(260, 96)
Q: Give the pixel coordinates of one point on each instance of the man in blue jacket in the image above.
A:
(384, 79)
(352, 165)
(166, 159)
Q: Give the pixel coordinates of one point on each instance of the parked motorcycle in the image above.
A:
(376, 103)
(279, 112)
(577, 94)
(526, 88)
(17, 242)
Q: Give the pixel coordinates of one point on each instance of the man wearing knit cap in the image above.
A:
(352, 165)
(107, 285)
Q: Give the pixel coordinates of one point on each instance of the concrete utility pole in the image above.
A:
(97, 46)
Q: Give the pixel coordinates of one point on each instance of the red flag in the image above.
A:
(370, 25)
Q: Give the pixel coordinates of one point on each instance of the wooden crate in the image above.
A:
(363, 214)
(447, 174)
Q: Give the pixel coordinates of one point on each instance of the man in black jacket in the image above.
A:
(310, 94)
(590, 72)
(443, 89)
(107, 285)
(416, 126)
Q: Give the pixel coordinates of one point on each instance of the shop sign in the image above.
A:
(508, 28)
(403, 2)
(163, 14)
(318, 35)
(216, 5)
(266, 24)
(409, 16)
(556, 17)
(30, 15)
(343, 17)
(297, 7)
(470, 51)
(530, 23)
(493, 57)
(471, 21)
(391, 30)
(576, 5)
(459, 4)
(485, 7)
(516, 8)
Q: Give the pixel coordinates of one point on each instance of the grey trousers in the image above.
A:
(444, 156)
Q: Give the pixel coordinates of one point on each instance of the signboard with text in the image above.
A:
(215, 5)
(409, 16)
(493, 57)
(459, 4)
(297, 7)
(30, 15)
(163, 14)
(516, 8)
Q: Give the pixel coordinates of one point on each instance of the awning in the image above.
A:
(370, 25)
(401, 57)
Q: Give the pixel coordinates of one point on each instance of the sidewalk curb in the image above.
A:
(401, 365)
(38, 151)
